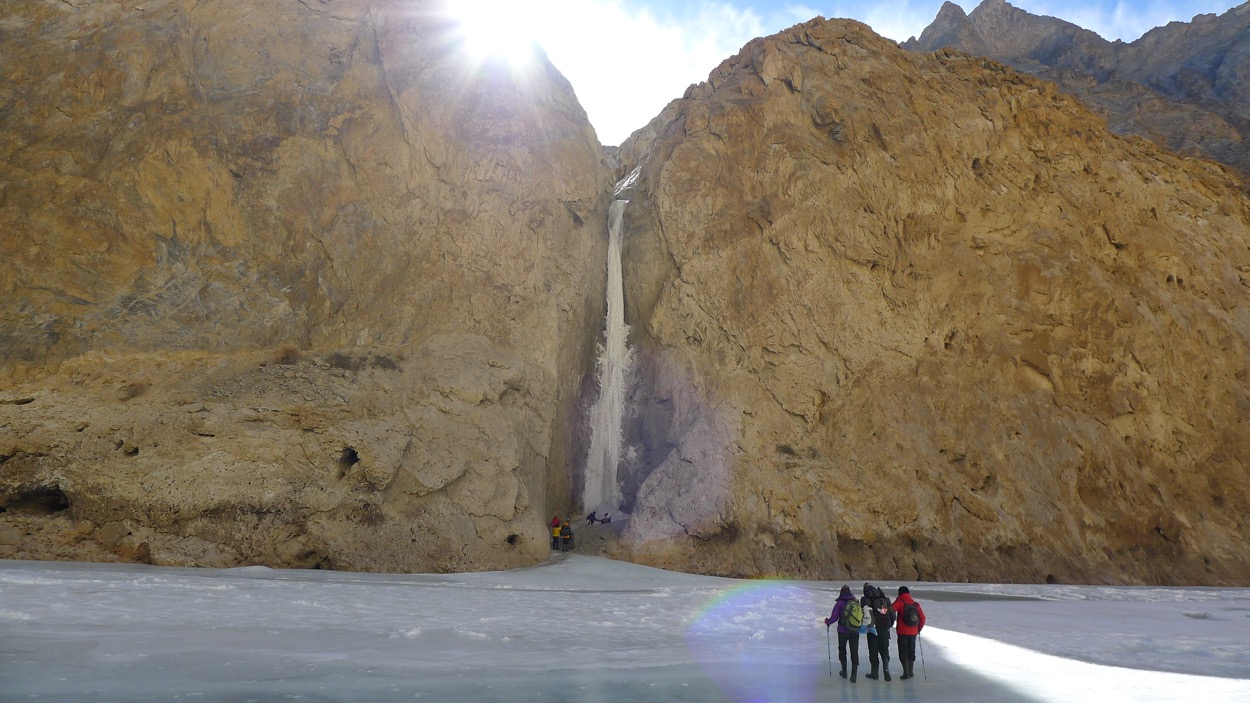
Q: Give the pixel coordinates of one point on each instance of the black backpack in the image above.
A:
(911, 614)
(882, 615)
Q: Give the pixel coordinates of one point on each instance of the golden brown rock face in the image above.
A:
(286, 283)
(922, 317)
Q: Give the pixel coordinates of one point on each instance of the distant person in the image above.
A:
(607, 517)
(910, 623)
(867, 626)
(590, 519)
(848, 635)
(555, 537)
(566, 536)
(555, 521)
(877, 604)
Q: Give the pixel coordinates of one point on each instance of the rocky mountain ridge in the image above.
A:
(1185, 85)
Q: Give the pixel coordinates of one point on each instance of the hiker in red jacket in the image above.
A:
(909, 624)
(847, 637)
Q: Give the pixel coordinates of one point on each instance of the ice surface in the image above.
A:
(586, 629)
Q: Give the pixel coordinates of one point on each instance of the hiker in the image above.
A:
(848, 632)
(910, 623)
(607, 517)
(876, 603)
(555, 536)
(566, 534)
(590, 519)
(555, 521)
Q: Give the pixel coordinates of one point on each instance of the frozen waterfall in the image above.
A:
(602, 492)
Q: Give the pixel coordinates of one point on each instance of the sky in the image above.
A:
(627, 59)
(581, 628)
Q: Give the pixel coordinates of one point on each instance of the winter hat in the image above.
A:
(846, 590)
(902, 590)
(868, 589)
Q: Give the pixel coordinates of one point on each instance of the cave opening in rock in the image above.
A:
(349, 457)
(42, 500)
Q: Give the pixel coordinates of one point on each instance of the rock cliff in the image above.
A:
(920, 316)
(288, 283)
(1182, 85)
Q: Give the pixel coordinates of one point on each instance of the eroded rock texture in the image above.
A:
(1183, 85)
(287, 283)
(919, 316)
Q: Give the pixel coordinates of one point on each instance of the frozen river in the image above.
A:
(586, 629)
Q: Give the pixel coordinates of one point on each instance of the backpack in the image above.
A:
(852, 616)
(882, 616)
(911, 614)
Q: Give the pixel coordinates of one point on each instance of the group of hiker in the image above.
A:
(562, 530)
(561, 534)
(874, 614)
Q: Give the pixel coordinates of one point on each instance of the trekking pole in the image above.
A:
(829, 648)
(922, 670)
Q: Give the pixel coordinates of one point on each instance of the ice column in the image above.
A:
(602, 492)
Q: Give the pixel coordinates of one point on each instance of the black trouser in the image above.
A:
(879, 648)
(851, 638)
(907, 648)
(555, 541)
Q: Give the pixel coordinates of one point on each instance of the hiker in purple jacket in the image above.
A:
(845, 635)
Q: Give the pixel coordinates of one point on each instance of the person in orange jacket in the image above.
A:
(910, 621)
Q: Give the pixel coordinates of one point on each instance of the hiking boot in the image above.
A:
(885, 669)
(843, 672)
(906, 672)
(872, 674)
(854, 670)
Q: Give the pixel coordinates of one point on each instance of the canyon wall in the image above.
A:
(920, 316)
(296, 284)
(305, 284)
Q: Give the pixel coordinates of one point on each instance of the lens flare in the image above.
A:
(744, 638)
(497, 29)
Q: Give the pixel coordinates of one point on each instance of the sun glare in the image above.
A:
(498, 29)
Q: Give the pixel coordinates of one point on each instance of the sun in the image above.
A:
(498, 30)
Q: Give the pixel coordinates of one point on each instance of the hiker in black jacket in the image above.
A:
(876, 602)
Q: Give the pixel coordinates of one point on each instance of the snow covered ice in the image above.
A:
(587, 629)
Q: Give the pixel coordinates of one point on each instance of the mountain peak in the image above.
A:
(1179, 84)
(946, 28)
(950, 11)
